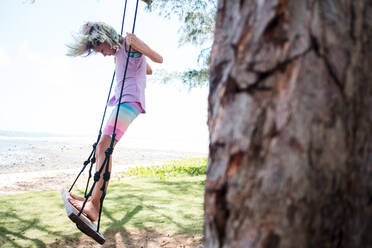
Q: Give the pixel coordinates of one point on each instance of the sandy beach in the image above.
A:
(47, 163)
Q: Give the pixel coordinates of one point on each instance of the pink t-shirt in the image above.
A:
(135, 81)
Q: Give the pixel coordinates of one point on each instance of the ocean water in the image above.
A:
(10, 138)
(24, 151)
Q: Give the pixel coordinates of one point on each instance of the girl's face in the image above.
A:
(105, 49)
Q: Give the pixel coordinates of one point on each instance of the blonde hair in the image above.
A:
(91, 35)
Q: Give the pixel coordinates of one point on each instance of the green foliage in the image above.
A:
(198, 28)
(197, 16)
(191, 78)
(174, 168)
(198, 24)
(195, 78)
(148, 2)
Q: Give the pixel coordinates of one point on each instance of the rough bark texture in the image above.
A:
(290, 120)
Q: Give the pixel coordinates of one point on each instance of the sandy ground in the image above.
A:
(36, 165)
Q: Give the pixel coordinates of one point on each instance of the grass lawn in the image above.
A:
(166, 204)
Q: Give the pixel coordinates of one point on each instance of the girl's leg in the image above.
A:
(128, 112)
(91, 209)
(103, 144)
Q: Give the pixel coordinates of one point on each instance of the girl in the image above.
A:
(101, 38)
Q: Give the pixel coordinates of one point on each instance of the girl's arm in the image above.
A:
(148, 69)
(142, 47)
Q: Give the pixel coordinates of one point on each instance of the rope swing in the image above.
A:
(82, 222)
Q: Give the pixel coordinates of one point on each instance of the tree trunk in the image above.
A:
(290, 121)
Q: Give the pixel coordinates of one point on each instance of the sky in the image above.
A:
(43, 90)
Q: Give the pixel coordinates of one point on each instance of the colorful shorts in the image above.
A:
(127, 113)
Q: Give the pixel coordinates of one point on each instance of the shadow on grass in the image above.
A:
(118, 236)
(115, 233)
(145, 209)
(8, 236)
(170, 207)
(176, 187)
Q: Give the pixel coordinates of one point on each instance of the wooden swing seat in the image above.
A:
(82, 222)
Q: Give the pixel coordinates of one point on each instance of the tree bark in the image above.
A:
(290, 121)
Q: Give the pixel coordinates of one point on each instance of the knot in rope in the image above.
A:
(108, 151)
(106, 176)
(97, 175)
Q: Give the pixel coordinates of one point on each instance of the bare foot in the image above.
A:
(77, 197)
(90, 210)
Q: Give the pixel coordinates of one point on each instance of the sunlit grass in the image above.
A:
(174, 168)
(174, 204)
